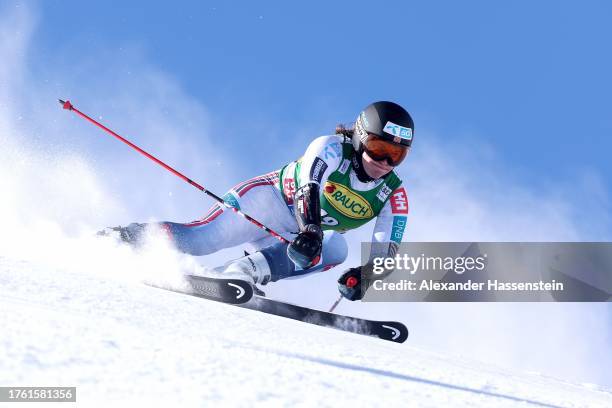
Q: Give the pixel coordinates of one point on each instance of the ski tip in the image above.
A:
(393, 331)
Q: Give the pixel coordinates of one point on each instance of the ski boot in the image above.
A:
(133, 234)
(253, 268)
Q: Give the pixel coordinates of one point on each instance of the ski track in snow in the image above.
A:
(125, 343)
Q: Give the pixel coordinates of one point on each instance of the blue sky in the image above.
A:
(529, 78)
(511, 103)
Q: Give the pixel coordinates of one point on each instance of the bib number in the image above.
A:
(326, 219)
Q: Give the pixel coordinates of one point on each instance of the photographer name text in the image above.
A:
(469, 285)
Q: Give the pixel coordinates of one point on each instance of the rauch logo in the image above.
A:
(347, 202)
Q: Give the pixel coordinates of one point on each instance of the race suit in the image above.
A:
(346, 203)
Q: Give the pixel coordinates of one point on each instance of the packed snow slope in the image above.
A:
(120, 341)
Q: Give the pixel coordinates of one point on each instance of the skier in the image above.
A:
(340, 183)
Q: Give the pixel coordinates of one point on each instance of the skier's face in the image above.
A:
(375, 169)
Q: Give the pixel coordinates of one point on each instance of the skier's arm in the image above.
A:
(321, 158)
(390, 225)
(305, 250)
(388, 234)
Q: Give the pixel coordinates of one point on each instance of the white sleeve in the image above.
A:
(390, 224)
(321, 158)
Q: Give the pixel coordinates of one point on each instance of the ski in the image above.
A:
(387, 330)
(232, 291)
(240, 293)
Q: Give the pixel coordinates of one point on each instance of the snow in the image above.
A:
(122, 342)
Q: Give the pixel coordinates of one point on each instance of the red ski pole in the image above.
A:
(67, 105)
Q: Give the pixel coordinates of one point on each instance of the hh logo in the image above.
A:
(347, 202)
(399, 202)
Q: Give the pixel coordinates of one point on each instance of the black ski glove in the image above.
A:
(133, 234)
(349, 284)
(305, 250)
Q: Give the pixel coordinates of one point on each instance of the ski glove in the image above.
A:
(132, 234)
(349, 284)
(305, 250)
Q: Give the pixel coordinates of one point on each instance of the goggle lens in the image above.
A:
(380, 149)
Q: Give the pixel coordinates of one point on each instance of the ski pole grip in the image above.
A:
(351, 282)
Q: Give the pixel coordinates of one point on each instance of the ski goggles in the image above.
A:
(380, 149)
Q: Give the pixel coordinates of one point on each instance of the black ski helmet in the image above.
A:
(385, 119)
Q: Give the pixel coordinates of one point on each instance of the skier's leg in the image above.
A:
(272, 263)
(220, 228)
(334, 252)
